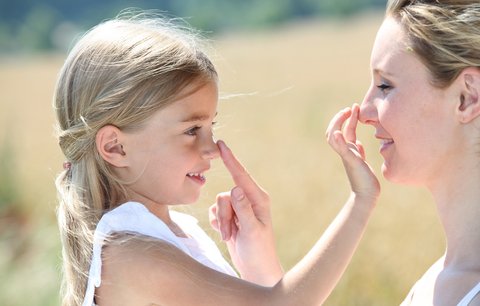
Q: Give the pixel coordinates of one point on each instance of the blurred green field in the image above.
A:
(280, 89)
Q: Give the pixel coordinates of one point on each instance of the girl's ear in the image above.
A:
(469, 101)
(109, 146)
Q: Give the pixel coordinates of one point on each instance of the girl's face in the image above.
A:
(413, 120)
(169, 156)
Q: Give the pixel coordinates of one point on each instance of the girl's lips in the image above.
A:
(197, 177)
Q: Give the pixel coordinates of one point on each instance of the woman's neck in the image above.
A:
(457, 198)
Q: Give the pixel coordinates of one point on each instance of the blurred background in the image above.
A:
(286, 67)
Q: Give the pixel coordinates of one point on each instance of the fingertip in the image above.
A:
(225, 151)
(356, 109)
(221, 145)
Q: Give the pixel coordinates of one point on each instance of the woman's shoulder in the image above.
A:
(446, 286)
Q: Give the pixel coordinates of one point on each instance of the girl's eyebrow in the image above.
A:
(197, 117)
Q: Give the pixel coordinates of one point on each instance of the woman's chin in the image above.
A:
(399, 178)
(390, 175)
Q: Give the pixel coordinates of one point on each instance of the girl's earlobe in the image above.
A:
(110, 147)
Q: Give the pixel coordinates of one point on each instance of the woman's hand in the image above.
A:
(363, 181)
(243, 218)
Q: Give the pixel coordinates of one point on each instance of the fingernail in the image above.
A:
(237, 194)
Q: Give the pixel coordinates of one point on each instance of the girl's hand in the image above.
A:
(363, 181)
(242, 216)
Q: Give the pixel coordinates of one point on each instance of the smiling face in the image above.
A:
(414, 120)
(169, 155)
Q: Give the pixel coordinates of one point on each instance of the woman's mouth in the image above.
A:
(385, 143)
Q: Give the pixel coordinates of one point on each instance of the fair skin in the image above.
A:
(140, 272)
(429, 137)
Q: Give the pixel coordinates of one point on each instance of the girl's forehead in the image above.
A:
(200, 105)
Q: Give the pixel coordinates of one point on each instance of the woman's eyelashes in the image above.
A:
(384, 87)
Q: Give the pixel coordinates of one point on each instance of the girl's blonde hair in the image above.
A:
(444, 34)
(119, 73)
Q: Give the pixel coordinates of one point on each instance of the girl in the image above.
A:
(135, 104)
(424, 103)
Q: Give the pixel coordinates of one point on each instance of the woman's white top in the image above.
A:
(134, 217)
(470, 296)
(467, 299)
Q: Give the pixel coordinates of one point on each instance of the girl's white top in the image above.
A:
(134, 217)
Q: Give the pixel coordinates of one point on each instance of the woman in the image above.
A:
(424, 103)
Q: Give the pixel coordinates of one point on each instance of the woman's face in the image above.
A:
(413, 120)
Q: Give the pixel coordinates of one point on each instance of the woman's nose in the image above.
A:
(368, 111)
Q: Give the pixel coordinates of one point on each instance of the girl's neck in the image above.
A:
(162, 212)
(458, 203)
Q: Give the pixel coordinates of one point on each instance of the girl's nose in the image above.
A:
(210, 149)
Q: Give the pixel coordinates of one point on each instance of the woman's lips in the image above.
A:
(385, 143)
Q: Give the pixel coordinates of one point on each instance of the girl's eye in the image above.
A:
(192, 131)
(384, 87)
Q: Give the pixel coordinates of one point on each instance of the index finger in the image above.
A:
(351, 126)
(238, 172)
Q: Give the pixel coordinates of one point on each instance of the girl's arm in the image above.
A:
(141, 272)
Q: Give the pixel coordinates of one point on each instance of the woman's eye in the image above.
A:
(384, 87)
(192, 131)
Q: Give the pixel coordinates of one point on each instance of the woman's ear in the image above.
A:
(109, 146)
(469, 100)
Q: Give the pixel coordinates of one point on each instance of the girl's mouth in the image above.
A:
(197, 177)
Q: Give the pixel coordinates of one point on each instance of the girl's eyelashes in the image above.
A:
(193, 130)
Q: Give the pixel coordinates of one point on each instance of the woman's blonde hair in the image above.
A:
(444, 34)
(119, 73)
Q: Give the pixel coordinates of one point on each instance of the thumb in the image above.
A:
(243, 208)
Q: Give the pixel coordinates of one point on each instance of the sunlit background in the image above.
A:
(286, 67)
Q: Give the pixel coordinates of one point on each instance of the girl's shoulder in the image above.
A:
(139, 269)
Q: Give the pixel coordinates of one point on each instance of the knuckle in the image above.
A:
(223, 197)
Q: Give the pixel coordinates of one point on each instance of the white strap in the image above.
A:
(470, 296)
